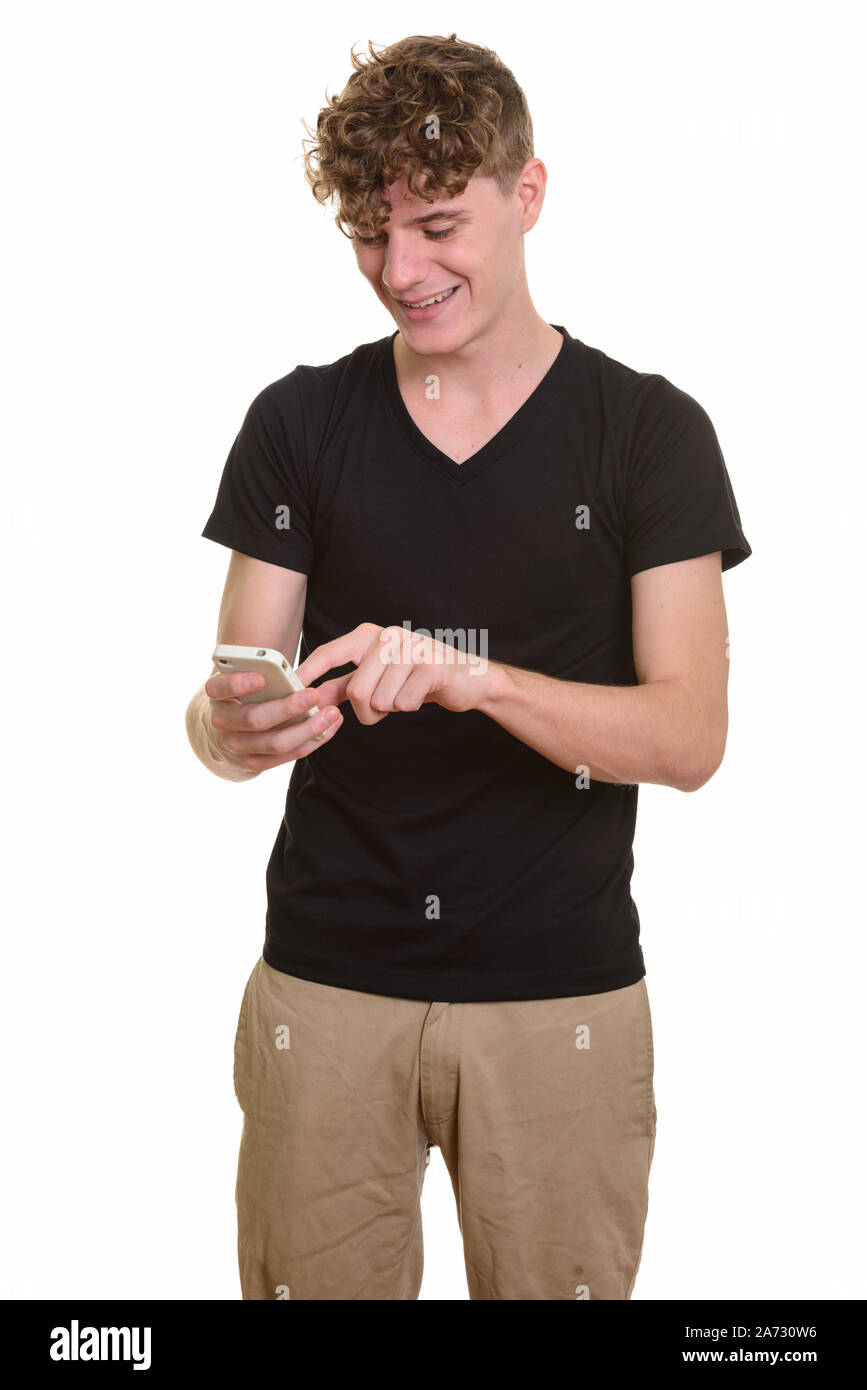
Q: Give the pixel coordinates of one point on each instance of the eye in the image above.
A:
(378, 240)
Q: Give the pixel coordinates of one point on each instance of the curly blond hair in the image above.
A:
(431, 108)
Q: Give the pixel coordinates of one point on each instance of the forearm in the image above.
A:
(202, 744)
(621, 734)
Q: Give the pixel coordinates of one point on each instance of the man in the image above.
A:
(503, 557)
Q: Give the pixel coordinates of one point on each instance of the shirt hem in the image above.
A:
(453, 986)
(689, 546)
(284, 552)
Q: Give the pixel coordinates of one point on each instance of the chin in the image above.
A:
(427, 338)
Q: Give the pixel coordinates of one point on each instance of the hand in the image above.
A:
(269, 734)
(398, 670)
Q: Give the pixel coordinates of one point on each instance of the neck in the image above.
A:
(487, 363)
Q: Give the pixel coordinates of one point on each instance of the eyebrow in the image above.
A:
(461, 214)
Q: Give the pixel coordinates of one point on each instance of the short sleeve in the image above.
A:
(678, 497)
(262, 506)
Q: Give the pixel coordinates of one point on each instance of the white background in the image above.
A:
(164, 261)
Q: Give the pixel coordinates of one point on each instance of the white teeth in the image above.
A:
(438, 299)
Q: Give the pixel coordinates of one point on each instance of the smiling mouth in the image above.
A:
(423, 303)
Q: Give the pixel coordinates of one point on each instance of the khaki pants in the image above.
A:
(543, 1110)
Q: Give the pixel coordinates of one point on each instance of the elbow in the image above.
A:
(702, 766)
(692, 784)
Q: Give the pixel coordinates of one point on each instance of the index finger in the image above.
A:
(350, 647)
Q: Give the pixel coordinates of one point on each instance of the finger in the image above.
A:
(381, 673)
(364, 714)
(359, 687)
(350, 647)
(332, 692)
(267, 714)
(232, 685)
(415, 689)
(276, 743)
(258, 762)
(380, 654)
(391, 681)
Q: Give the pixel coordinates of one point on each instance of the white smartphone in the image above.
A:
(280, 679)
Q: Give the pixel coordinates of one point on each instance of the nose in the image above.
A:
(406, 266)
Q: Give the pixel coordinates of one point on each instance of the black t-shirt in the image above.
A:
(434, 855)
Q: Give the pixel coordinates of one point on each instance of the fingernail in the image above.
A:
(330, 715)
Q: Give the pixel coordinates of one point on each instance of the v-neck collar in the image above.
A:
(502, 441)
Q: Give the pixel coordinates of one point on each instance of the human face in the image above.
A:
(468, 248)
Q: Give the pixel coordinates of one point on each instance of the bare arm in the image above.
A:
(670, 728)
(262, 606)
